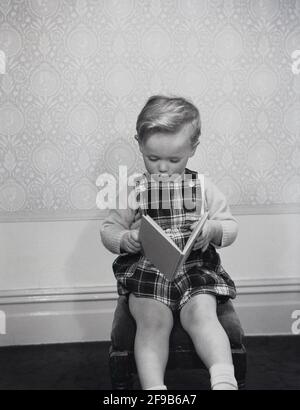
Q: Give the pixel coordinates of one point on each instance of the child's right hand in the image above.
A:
(130, 242)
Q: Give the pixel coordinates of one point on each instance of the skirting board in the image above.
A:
(41, 316)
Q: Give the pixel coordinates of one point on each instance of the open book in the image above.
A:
(161, 250)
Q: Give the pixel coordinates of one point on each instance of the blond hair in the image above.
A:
(167, 114)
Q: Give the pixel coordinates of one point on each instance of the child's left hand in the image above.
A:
(205, 237)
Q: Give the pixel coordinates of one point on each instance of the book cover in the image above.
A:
(161, 250)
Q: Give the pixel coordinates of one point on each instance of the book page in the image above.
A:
(195, 232)
(158, 247)
(190, 243)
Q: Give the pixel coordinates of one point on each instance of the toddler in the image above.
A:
(168, 131)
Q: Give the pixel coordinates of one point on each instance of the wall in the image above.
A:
(77, 74)
(58, 286)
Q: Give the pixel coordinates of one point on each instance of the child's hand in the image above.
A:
(205, 237)
(130, 242)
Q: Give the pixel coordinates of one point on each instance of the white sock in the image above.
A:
(222, 377)
(158, 387)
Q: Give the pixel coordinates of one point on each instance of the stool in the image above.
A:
(182, 353)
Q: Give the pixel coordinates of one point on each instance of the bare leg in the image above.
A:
(154, 322)
(199, 319)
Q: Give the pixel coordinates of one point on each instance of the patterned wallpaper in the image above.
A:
(78, 72)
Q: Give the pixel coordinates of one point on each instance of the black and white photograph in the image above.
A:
(150, 197)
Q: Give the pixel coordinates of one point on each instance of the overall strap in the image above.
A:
(201, 179)
(140, 192)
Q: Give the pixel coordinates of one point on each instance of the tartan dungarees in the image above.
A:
(175, 208)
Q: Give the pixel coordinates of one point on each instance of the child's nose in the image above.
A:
(163, 166)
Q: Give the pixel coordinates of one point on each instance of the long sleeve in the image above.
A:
(219, 214)
(115, 225)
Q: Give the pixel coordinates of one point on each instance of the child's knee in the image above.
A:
(198, 311)
(155, 325)
(151, 315)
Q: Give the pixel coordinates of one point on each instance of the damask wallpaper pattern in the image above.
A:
(79, 71)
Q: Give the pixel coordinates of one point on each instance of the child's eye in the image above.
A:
(153, 159)
(175, 160)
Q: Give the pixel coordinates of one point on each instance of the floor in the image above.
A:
(273, 364)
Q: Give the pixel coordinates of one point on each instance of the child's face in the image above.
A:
(168, 154)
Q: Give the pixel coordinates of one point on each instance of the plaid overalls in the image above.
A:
(175, 206)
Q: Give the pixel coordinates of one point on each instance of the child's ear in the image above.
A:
(194, 148)
(141, 147)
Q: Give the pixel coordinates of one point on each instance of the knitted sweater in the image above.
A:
(120, 221)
